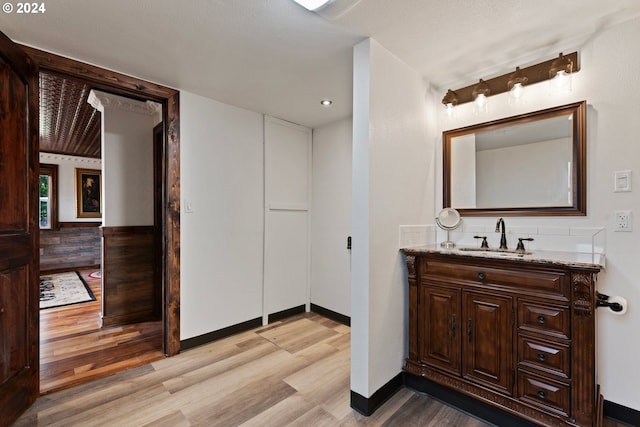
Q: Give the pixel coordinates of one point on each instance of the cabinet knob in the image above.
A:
(481, 276)
(541, 319)
(542, 394)
(542, 357)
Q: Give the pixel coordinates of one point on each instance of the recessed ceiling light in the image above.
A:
(312, 4)
(326, 102)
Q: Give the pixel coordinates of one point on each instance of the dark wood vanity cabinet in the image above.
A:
(476, 325)
(517, 335)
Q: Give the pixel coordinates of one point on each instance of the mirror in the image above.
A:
(531, 164)
(448, 219)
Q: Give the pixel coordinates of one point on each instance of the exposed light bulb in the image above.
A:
(450, 109)
(561, 82)
(516, 94)
(517, 90)
(480, 103)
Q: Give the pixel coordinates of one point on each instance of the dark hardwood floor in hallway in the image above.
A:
(74, 349)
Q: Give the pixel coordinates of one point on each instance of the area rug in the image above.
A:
(63, 289)
(95, 275)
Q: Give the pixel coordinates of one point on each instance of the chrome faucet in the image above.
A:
(503, 237)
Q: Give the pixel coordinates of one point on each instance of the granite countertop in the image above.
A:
(571, 259)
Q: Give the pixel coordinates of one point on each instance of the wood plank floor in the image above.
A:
(74, 349)
(293, 372)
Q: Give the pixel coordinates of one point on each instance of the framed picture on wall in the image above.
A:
(88, 193)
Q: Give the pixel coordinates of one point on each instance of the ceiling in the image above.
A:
(275, 57)
(68, 124)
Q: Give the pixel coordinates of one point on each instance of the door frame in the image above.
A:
(121, 84)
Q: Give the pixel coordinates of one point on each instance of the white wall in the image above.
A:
(67, 166)
(127, 160)
(331, 217)
(393, 184)
(608, 81)
(221, 162)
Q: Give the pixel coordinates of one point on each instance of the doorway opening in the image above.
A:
(167, 173)
(100, 226)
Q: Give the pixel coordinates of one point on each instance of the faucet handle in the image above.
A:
(484, 243)
(520, 246)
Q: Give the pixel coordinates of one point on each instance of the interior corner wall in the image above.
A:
(221, 167)
(331, 217)
(394, 121)
(612, 134)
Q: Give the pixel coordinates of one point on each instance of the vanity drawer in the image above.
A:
(543, 392)
(546, 319)
(548, 356)
(541, 282)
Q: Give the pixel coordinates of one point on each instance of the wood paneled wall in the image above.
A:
(131, 291)
(73, 245)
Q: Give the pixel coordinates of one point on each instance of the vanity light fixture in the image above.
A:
(312, 4)
(559, 68)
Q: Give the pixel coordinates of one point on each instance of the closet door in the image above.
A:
(287, 216)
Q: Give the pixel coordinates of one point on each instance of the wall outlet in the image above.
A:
(622, 220)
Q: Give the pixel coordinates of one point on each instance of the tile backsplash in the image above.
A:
(553, 238)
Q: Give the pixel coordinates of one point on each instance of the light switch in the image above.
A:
(188, 206)
(622, 181)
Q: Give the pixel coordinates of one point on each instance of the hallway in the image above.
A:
(75, 350)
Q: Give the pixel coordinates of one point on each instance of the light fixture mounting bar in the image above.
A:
(535, 74)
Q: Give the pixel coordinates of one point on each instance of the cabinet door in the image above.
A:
(488, 342)
(440, 323)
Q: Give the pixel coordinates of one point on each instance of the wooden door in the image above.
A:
(488, 343)
(440, 324)
(19, 265)
(287, 195)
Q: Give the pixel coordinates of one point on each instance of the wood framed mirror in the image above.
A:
(531, 164)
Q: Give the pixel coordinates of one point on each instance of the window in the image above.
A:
(48, 197)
